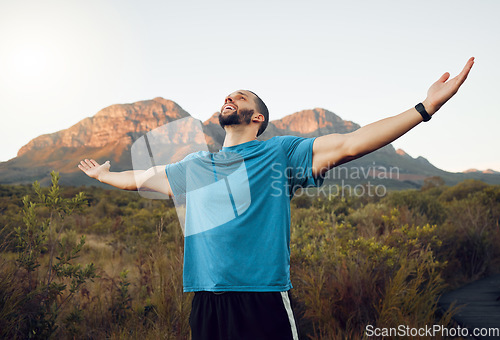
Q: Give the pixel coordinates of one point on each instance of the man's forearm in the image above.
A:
(335, 149)
(380, 133)
(122, 180)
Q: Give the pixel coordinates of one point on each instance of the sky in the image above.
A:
(63, 61)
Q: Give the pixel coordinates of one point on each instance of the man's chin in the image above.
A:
(235, 118)
(228, 119)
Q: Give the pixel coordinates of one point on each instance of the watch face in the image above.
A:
(421, 109)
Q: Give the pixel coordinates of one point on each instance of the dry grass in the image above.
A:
(353, 264)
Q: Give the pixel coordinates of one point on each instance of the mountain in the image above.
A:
(487, 171)
(107, 135)
(111, 132)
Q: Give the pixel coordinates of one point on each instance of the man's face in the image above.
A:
(238, 108)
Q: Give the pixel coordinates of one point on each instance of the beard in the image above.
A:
(236, 118)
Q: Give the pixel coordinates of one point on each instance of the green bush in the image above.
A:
(47, 277)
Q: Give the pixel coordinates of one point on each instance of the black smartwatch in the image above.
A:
(421, 109)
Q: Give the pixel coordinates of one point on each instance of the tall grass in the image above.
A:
(354, 262)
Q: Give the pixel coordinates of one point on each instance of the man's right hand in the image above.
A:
(153, 178)
(93, 169)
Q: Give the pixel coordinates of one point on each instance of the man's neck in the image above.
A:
(237, 134)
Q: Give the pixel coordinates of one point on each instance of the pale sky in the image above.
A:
(62, 61)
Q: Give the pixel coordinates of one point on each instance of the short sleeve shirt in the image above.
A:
(237, 213)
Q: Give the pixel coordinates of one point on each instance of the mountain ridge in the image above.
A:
(110, 133)
(95, 131)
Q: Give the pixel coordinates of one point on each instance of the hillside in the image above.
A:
(111, 132)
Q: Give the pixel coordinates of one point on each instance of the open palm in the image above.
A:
(92, 168)
(442, 90)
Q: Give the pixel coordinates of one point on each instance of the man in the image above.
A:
(238, 213)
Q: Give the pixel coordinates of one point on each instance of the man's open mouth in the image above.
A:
(228, 107)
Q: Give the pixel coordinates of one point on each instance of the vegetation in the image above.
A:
(107, 263)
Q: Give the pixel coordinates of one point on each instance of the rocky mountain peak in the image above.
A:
(214, 119)
(119, 123)
(401, 152)
(318, 120)
(487, 171)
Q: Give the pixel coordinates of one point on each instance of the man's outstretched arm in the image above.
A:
(154, 178)
(335, 149)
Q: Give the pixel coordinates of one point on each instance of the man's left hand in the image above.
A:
(442, 90)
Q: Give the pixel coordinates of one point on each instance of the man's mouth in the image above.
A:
(228, 107)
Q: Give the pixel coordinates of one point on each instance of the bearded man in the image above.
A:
(237, 233)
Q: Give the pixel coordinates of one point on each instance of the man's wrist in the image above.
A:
(428, 107)
(421, 109)
(101, 175)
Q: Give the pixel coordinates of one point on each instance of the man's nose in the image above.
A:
(228, 100)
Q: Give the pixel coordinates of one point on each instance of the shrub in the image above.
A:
(47, 281)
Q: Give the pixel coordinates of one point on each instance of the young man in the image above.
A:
(237, 229)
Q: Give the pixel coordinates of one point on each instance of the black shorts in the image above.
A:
(242, 315)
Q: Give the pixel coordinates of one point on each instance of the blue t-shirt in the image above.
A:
(237, 203)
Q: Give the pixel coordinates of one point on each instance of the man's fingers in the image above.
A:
(89, 163)
(83, 166)
(469, 64)
(444, 78)
(465, 72)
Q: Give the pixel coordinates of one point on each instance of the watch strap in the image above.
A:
(421, 109)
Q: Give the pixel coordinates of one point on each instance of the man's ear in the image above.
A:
(258, 118)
